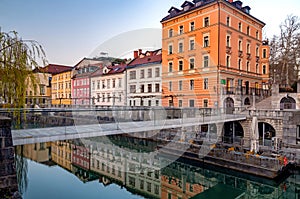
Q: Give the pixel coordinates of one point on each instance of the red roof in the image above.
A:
(53, 69)
(116, 69)
(147, 58)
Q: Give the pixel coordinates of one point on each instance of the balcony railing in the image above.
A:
(245, 91)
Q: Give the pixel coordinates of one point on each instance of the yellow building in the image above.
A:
(61, 153)
(61, 88)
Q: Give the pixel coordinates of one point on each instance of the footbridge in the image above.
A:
(158, 121)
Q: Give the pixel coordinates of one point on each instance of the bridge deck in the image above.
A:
(29, 136)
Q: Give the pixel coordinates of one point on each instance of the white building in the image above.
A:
(144, 83)
(108, 86)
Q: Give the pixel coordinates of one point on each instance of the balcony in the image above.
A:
(245, 91)
(228, 50)
(257, 59)
(240, 54)
(248, 56)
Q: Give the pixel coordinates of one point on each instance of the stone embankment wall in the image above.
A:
(8, 178)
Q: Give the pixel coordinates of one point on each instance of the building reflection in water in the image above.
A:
(124, 161)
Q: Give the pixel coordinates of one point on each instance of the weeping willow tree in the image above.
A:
(18, 58)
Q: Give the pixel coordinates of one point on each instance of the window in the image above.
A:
(206, 21)
(205, 103)
(192, 84)
(240, 26)
(157, 71)
(171, 103)
(205, 61)
(114, 83)
(108, 84)
(132, 88)
(42, 89)
(170, 49)
(257, 52)
(142, 74)
(248, 66)
(157, 88)
(180, 65)
(170, 86)
(179, 103)
(228, 41)
(180, 47)
(264, 69)
(228, 21)
(149, 72)
(171, 33)
(157, 102)
(103, 97)
(192, 103)
(192, 26)
(103, 84)
(298, 132)
(248, 30)
(192, 44)
(181, 30)
(257, 35)
(120, 82)
(142, 88)
(239, 64)
(192, 63)
(149, 88)
(180, 85)
(248, 48)
(240, 45)
(227, 61)
(264, 53)
(205, 83)
(132, 75)
(149, 103)
(206, 41)
(170, 67)
(98, 85)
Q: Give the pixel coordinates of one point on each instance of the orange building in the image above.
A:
(211, 55)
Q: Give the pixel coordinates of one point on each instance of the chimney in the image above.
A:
(230, 1)
(140, 51)
(135, 54)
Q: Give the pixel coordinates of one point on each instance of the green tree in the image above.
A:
(17, 59)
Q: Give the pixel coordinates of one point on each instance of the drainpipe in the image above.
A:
(218, 67)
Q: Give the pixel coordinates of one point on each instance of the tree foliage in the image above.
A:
(285, 52)
(17, 59)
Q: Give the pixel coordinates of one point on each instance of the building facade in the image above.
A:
(108, 86)
(61, 91)
(81, 95)
(39, 91)
(144, 79)
(211, 51)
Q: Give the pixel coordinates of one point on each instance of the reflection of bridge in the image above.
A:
(28, 136)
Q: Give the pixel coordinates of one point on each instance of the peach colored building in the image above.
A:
(213, 52)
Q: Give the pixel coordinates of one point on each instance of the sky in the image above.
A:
(70, 30)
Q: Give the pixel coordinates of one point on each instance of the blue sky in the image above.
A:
(71, 29)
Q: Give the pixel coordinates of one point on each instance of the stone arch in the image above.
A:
(287, 103)
(247, 101)
(229, 105)
(266, 133)
(233, 132)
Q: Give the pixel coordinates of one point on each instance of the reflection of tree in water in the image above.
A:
(21, 169)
